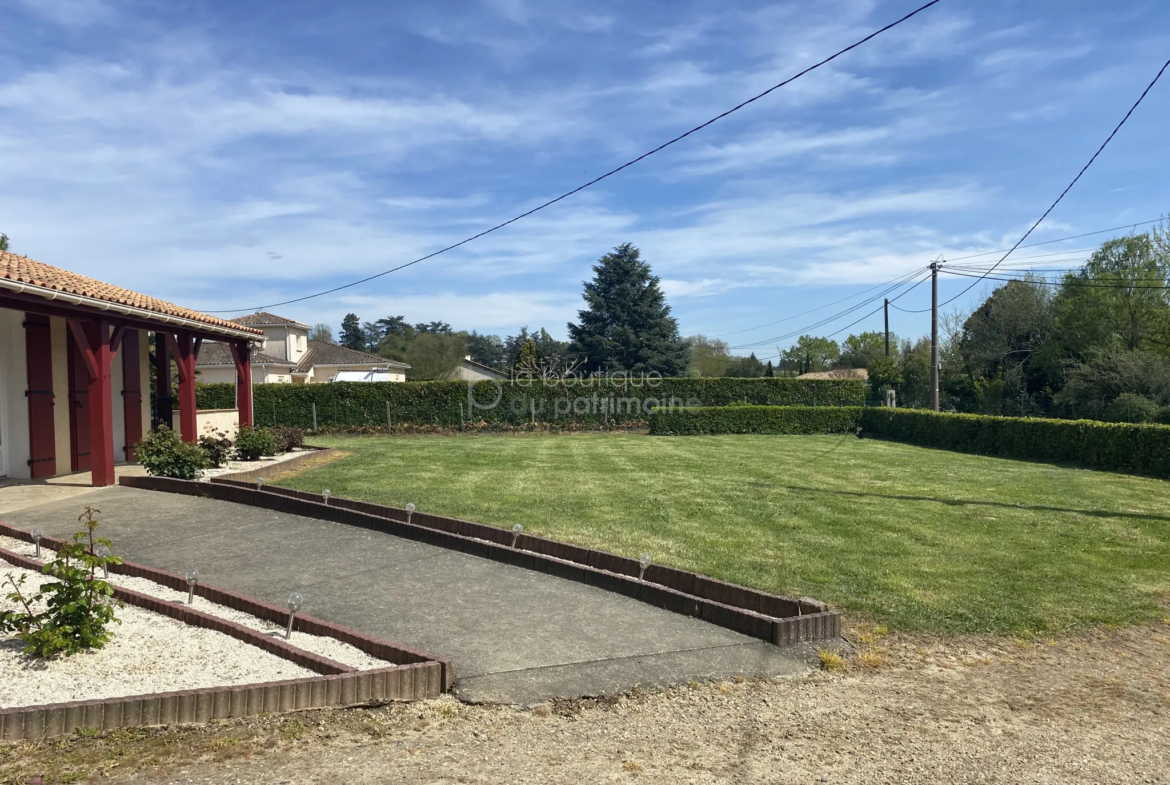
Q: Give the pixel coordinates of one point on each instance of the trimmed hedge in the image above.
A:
(1133, 448)
(796, 420)
(590, 402)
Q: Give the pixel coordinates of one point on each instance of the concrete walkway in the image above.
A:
(515, 636)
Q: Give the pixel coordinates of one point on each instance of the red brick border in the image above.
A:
(770, 617)
(416, 676)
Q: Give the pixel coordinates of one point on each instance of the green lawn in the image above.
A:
(921, 539)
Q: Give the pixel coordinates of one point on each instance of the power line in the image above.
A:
(1063, 239)
(821, 307)
(833, 318)
(1043, 282)
(899, 283)
(596, 180)
(1069, 187)
(863, 318)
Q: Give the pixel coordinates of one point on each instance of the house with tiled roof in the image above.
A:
(75, 366)
(286, 355)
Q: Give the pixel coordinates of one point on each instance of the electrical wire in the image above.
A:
(596, 180)
(822, 307)
(829, 319)
(1042, 282)
(1069, 187)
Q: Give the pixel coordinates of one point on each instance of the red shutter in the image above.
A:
(38, 347)
(131, 391)
(78, 407)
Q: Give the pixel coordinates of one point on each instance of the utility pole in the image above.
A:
(887, 307)
(934, 336)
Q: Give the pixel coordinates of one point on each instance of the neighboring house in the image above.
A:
(324, 360)
(215, 364)
(75, 365)
(470, 370)
(288, 356)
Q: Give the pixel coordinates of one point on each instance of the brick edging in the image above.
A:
(417, 681)
(375, 647)
(770, 617)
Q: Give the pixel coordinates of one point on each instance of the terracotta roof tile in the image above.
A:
(21, 269)
(219, 353)
(266, 319)
(326, 353)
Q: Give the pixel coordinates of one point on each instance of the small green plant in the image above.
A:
(217, 446)
(164, 454)
(831, 660)
(287, 437)
(77, 606)
(254, 443)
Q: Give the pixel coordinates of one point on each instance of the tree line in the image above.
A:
(1094, 344)
(625, 325)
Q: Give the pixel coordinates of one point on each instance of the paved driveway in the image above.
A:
(514, 636)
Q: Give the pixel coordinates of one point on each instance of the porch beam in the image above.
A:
(185, 359)
(83, 345)
(242, 355)
(116, 339)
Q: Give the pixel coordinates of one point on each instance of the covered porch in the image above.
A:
(82, 355)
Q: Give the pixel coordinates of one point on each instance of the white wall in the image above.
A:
(216, 375)
(57, 336)
(13, 406)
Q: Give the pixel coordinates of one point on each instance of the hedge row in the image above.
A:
(617, 402)
(1137, 449)
(756, 419)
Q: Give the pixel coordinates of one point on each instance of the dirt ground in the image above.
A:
(1094, 708)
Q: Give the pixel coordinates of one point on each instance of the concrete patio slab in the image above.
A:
(514, 635)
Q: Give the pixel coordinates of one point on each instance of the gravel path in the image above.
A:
(326, 647)
(1092, 709)
(231, 467)
(148, 653)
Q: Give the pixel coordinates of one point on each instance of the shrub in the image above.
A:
(164, 454)
(78, 609)
(217, 446)
(1135, 448)
(755, 419)
(287, 437)
(254, 443)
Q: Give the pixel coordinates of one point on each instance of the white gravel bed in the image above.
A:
(331, 648)
(148, 653)
(231, 467)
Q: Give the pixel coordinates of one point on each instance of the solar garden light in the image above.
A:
(325, 495)
(409, 511)
(37, 534)
(103, 552)
(517, 530)
(294, 604)
(192, 579)
(643, 563)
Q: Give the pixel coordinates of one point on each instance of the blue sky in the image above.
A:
(229, 155)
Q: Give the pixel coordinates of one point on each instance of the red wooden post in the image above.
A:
(101, 411)
(242, 354)
(184, 350)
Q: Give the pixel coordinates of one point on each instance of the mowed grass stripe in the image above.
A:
(921, 539)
